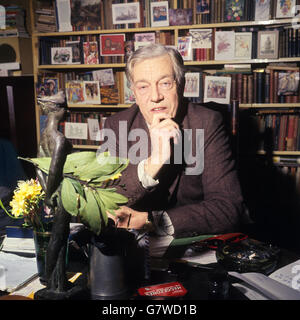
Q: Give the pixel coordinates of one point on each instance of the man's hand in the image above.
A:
(128, 218)
(162, 130)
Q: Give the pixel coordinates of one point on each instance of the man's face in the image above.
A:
(154, 87)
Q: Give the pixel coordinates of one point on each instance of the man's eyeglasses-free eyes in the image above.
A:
(163, 86)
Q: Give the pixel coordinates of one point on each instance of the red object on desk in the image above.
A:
(171, 289)
(215, 242)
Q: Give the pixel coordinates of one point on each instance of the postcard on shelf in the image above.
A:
(159, 14)
(234, 10)
(76, 130)
(285, 8)
(217, 89)
(288, 83)
(94, 129)
(86, 15)
(262, 10)
(112, 44)
(61, 55)
(191, 88)
(185, 47)
(138, 44)
(224, 45)
(74, 92)
(76, 55)
(109, 95)
(180, 17)
(202, 6)
(145, 37)
(126, 13)
(104, 76)
(128, 93)
(91, 92)
(267, 44)
(243, 45)
(63, 9)
(90, 52)
(47, 86)
(201, 38)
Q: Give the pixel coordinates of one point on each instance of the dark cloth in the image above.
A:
(210, 202)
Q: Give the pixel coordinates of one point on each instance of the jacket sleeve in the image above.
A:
(218, 210)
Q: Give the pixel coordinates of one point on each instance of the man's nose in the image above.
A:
(155, 94)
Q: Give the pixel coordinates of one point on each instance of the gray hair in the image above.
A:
(156, 50)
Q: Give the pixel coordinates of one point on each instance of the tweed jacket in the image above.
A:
(205, 203)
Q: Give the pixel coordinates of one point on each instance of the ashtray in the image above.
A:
(248, 255)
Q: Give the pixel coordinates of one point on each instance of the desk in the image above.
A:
(194, 279)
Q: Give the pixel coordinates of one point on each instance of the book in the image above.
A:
(282, 284)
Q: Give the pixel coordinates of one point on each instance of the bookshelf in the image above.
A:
(174, 32)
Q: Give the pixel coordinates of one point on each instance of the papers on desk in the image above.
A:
(15, 270)
(283, 284)
(19, 245)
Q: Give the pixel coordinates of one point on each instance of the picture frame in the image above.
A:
(234, 10)
(90, 52)
(61, 55)
(201, 38)
(191, 88)
(76, 130)
(105, 77)
(288, 83)
(145, 37)
(224, 45)
(184, 47)
(180, 17)
(112, 44)
(202, 6)
(74, 92)
(217, 89)
(159, 12)
(123, 13)
(243, 45)
(76, 51)
(91, 91)
(262, 10)
(285, 8)
(267, 44)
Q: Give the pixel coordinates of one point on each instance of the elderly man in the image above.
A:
(185, 184)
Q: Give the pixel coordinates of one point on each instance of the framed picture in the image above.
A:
(185, 47)
(159, 13)
(145, 37)
(234, 10)
(126, 13)
(191, 88)
(224, 45)
(243, 45)
(90, 52)
(91, 92)
(76, 55)
(262, 10)
(267, 47)
(76, 130)
(201, 38)
(179, 17)
(285, 8)
(202, 6)
(74, 92)
(217, 89)
(61, 55)
(105, 77)
(288, 83)
(112, 44)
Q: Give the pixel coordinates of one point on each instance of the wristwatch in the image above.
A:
(148, 226)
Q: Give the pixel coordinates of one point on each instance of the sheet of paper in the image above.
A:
(288, 275)
(205, 257)
(270, 288)
(21, 245)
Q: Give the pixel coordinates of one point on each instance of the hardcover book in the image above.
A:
(234, 10)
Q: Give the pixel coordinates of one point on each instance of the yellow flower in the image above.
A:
(116, 176)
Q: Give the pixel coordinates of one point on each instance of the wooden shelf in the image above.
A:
(85, 147)
(99, 106)
(282, 153)
(269, 105)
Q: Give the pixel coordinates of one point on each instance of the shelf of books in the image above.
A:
(241, 50)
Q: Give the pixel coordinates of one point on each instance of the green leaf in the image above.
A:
(78, 159)
(72, 201)
(102, 208)
(111, 199)
(90, 215)
(42, 163)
